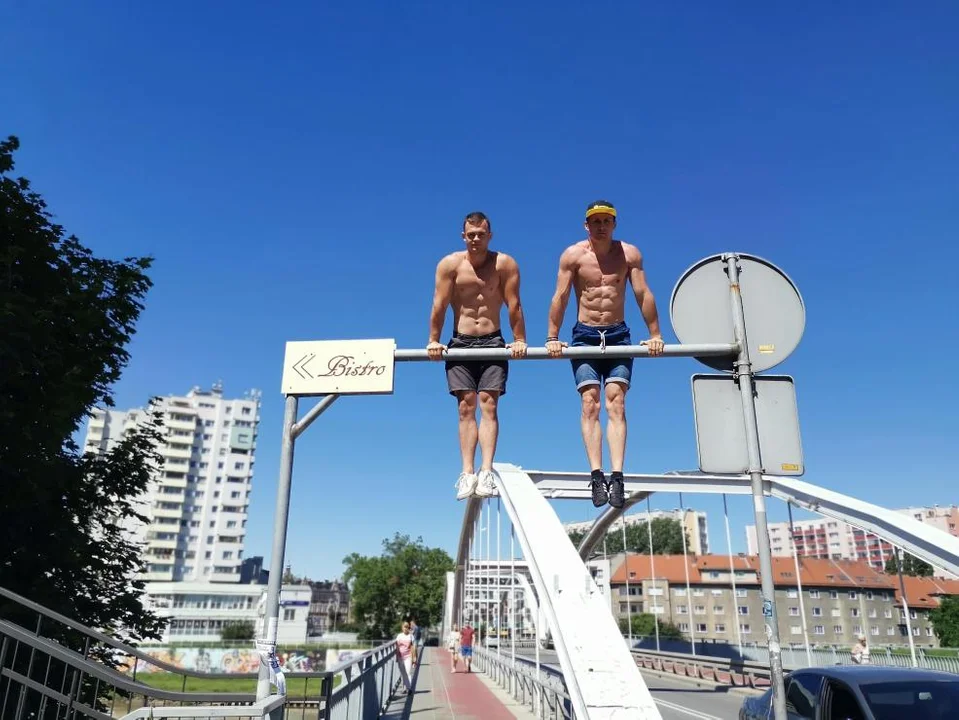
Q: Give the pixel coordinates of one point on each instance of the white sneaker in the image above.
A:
(465, 485)
(486, 484)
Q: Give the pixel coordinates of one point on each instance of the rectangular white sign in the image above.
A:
(341, 367)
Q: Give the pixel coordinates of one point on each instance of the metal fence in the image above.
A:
(544, 693)
(795, 657)
(52, 667)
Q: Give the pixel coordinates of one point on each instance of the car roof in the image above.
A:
(860, 674)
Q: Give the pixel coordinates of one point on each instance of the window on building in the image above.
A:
(701, 628)
(744, 628)
(288, 614)
(743, 610)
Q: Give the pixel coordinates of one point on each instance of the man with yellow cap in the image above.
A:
(599, 269)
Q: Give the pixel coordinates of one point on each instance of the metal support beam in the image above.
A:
(575, 485)
(924, 541)
(317, 410)
(601, 677)
(539, 353)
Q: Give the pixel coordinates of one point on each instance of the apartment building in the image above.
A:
(196, 506)
(840, 599)
(198, 611)
(697, 530)
(329, 606)
(831, 539)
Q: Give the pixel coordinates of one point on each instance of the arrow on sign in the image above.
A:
(300, 366)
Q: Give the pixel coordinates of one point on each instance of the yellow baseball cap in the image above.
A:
(600, 206)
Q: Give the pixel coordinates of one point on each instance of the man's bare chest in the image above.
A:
(485, 281)
(593, 273)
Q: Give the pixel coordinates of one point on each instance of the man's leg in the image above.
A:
(616, 423)
(592, 430)
(593, 441)
(491, 387)
(489, 427)
(619, 375)
(466, 405)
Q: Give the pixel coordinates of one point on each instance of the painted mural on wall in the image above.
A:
(236, 660)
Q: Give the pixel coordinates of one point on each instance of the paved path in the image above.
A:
(439, 694)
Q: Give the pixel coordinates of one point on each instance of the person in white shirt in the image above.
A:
(406, 654)
(453, 645)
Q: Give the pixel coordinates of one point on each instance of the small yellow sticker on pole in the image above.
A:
(767, 349)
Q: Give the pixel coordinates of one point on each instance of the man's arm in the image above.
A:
(442, 296)
(517, 321)
(644, 296)
(564, 284)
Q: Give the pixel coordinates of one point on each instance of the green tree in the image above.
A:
(945, 621)
(242, 630)
(65, 319)
(407, 580)
(911, 565)
(644, 624)
(667, 538)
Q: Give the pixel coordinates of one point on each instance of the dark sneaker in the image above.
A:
(617, 490)
(597, 484)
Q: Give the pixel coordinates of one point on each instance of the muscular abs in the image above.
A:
(600, 284)
(477, 296)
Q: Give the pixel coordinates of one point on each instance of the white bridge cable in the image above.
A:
(629, 597)
(652, 561)
(802, 603)
(689, 593)
(732, 576)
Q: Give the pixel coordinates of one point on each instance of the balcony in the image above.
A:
(162, 544)
(176, 513)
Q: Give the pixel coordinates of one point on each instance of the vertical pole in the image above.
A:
(802, 604)
(499, 586)
(271, 616)
(512, 595)
(732, 577)
(689, 592)
(744, 374)
(629, 601)
(536, 688)
(905, 606)
(652, 562)
(489, 574)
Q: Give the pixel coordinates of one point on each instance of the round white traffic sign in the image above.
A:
(700, 310)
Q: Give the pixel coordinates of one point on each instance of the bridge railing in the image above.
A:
(795, 657)
(543, 693)
(52, 666)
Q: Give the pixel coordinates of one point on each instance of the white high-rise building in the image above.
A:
(197, 503)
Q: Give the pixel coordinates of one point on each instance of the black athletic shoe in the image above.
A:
(617, 490)
(598, 486)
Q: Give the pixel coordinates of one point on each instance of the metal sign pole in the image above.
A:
(744, 372)
(271, 617)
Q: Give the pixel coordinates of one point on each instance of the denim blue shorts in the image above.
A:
(594, 372)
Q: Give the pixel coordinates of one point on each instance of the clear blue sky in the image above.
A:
(298, 169)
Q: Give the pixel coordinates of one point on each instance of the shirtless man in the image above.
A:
(599, 267)
(477, 283)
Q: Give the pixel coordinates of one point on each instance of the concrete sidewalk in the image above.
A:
(439, 694)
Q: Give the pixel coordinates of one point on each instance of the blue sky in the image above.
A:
(298, 170)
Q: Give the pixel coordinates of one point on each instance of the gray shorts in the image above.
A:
(479, 375)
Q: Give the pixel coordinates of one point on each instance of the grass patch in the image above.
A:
(169, 681)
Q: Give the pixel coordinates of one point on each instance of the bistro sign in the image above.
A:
(342, 367)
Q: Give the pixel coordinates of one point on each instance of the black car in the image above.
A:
(862, 692)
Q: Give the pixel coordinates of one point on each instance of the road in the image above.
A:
(677, 699)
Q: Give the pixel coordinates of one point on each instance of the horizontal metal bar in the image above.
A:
(575, 485)
(539, 353)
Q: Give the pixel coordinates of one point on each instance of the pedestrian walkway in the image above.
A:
(439, 694)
